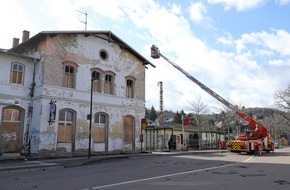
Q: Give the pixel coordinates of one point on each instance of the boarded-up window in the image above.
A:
(128, 130)
(97, 83)
(64, 133)
(109, 84)
(99, 132)
(130, 88)
(17, 73)
(69, 76)
(10, 114)
(65, 127)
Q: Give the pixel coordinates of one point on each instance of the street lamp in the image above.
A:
(95, 76)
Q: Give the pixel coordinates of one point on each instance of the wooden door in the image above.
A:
(10, 131)
(128, 133)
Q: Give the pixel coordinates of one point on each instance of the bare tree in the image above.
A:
(277, 124)
(229, 120)
(282, 101)
(199, 109)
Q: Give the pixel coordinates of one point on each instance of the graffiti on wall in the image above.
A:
(47, 141)
(82, 144)
(34, 136)
(9, 136)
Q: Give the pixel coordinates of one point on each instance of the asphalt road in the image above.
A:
(207, 171)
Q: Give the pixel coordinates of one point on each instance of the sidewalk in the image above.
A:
(13, 165)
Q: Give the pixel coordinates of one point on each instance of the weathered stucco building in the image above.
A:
(46, 94)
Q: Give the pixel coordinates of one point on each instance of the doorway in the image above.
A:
(11, 130)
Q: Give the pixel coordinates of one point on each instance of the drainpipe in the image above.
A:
(26, 147)
(31, 94)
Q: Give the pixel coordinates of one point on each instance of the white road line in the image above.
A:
(159, 177)
(168, 175)
(247, 160)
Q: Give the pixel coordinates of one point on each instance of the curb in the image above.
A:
(29, 167)
(24, 165)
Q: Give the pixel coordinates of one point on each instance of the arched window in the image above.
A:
(130, 87)
(109, 87)
(69, 78)
(17, 73)
(97, 82)
(100, 125)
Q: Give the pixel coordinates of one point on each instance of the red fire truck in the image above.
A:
(255, 140)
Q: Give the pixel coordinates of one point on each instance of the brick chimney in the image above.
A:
(25, 35)
(15, 42)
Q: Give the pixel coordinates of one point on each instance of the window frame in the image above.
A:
(98, 83)
(109, 85)
(66, 124)
(13, 73)
(100, 126)
(104, 55)
(69, 79)
(11, 115)
(130, 90)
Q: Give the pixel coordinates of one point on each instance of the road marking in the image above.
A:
(159, 177)
(247, 160)
(168, 175)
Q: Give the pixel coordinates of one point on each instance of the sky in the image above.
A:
(238, 48)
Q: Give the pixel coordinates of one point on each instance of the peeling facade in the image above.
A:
(67, 74)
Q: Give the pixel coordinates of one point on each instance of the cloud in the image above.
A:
(198, 14)
(247, 75)
(197, 11)
(54, 10)
(13, 24)
(267, 64)
(110, 8)
(240, 5)
(225, 40)
(277, 41)
(234, 75)
(282, 2)
(277, 62)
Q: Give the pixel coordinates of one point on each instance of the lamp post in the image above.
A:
(94, 77)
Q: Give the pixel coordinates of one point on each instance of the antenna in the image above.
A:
(85, 22)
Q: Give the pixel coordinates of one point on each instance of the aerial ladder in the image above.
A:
(255, 140)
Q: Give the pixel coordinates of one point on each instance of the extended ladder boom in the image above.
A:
(259, 130)
(155, 53)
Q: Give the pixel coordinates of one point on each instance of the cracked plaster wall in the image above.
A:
(84, 51)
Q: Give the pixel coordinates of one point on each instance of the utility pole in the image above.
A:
(85, 22)
(161, 102)
(161, 110)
